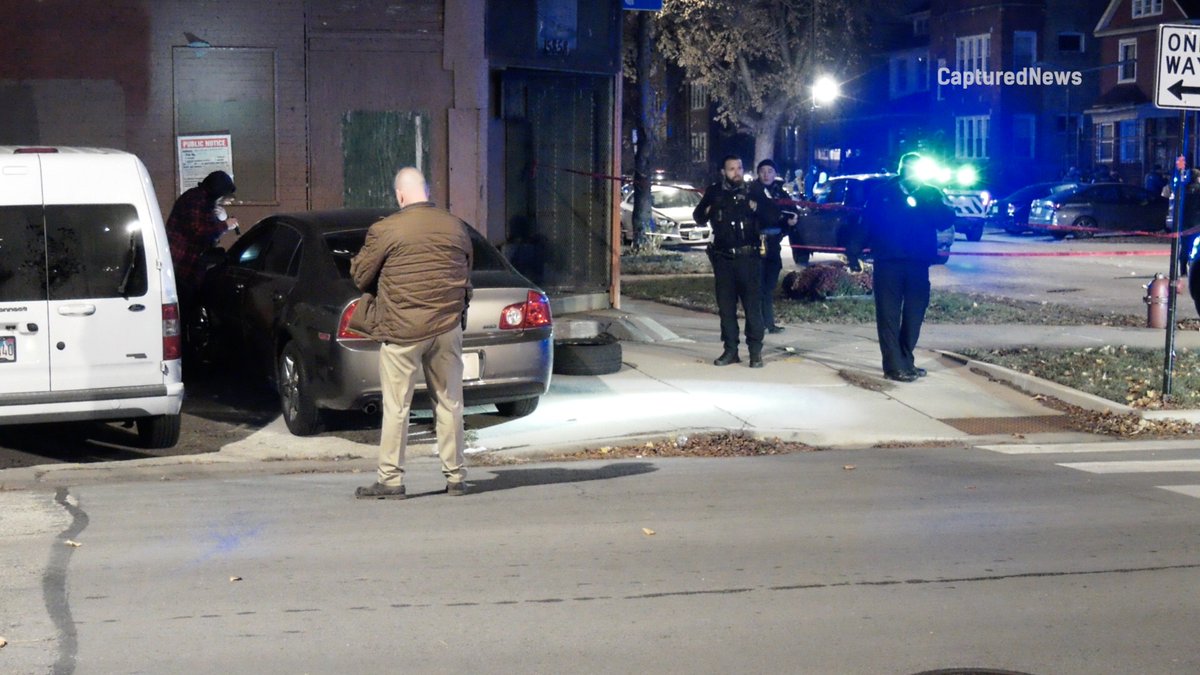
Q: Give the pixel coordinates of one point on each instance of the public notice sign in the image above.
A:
(1177, 79)
(202, 154)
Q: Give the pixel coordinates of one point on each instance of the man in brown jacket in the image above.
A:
(418, 262)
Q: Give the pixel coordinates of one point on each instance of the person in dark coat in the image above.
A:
(774, 221)
(734, 254)
(903, 216)
(194, 227)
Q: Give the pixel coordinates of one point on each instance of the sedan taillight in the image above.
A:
(533, 313)
(172, 341)
(344, 332)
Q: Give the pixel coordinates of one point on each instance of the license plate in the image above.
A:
(470, 366)
(8, 348)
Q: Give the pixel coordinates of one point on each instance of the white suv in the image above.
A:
(89, 317)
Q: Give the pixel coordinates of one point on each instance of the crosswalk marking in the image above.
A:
(1078, 448)
(1137, 466)
(1189, 490)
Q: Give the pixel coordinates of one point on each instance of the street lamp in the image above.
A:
(825, 90)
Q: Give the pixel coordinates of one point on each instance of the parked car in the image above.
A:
(1100, 206)
(278, 304)
(1012, 212)
(671, 205)
(89, 316)
(836, 220)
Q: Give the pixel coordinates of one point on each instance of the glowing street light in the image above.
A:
(825, 90)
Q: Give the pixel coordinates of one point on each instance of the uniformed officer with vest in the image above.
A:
(903, 216)
(734, 253)
(774, 222)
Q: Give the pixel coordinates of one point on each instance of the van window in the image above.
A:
(94, 251)
(22, 254)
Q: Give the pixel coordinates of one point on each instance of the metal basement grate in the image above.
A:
(1033, 424)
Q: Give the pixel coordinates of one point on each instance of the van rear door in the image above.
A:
(24, 341)
(105, 296)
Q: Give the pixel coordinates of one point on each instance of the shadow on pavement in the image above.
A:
(506, 479)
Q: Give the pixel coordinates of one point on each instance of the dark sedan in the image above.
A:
(278, 303)
(1012, 212)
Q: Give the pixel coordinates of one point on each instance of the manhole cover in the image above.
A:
(970, 671)
(1033, 424)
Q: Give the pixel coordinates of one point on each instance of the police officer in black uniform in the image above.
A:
(734, 253)
(903, 216)
(774, 221)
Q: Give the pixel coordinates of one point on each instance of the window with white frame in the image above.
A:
(1147, 8)
(1127, 55)
(1024, 49)
(1024, 131)
(1130, 133)
(1104, 142)
(699, 97)
(941, 64)
(970, 137)
(699, 146)
(971, 52)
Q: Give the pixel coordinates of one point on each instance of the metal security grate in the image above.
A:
(1033, 424)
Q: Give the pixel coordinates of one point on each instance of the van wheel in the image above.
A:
(158, 431)
(300, 412)
(520, 408)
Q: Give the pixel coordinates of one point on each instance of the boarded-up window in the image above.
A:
(228, 90)
(375, 145)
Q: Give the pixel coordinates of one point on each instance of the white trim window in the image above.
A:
(1104, 142)
(698, 96)
(940, 65)
(1143, 8)
(1127, 55)
(699, 147)
(971, 137)
(1024, 136)
(971, 52)
(1024, 49)
(1130, 134)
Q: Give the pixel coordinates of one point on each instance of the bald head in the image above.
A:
(410, 187)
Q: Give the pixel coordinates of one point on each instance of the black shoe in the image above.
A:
(380, 491)
(774, 329)
(457, 489)
(756, 362)
(919, 372)
(901, 377)
(727, 357)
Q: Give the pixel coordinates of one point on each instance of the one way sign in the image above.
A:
(1177, 80)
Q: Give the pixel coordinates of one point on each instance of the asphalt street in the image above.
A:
(895, 560)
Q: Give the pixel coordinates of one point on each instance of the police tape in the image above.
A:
(999, 254)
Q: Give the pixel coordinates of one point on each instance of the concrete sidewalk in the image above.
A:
(822, 386)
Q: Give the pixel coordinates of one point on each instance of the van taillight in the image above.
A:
(344, 332)
(532, 313)
(172, 342)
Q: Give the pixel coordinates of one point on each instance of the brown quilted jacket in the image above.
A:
(418, 263)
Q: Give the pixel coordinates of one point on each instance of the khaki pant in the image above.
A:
(441, 359)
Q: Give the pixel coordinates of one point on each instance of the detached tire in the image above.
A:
(598, 355)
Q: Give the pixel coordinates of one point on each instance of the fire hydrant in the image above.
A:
(1156, 302)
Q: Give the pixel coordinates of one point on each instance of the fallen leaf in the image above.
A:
(235, 578)
(3, 643)
(970, 487)
(648, 532)
(71, 542)
(849, 467)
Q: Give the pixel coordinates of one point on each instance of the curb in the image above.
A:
(1037, 385)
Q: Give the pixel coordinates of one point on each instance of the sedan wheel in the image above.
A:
(1085, 222)
(300, 412)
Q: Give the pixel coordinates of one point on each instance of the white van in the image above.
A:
(89, 317)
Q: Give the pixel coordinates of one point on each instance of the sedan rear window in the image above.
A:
(345, 245)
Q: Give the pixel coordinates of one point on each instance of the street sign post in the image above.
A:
(1177, 86)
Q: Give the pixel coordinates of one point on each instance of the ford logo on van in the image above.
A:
(14, 309)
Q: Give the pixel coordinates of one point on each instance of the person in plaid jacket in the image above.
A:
(193, 227)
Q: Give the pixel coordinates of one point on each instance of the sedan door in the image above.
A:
(266, 294)
(225, 292)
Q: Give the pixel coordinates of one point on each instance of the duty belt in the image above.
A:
(735, 251)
